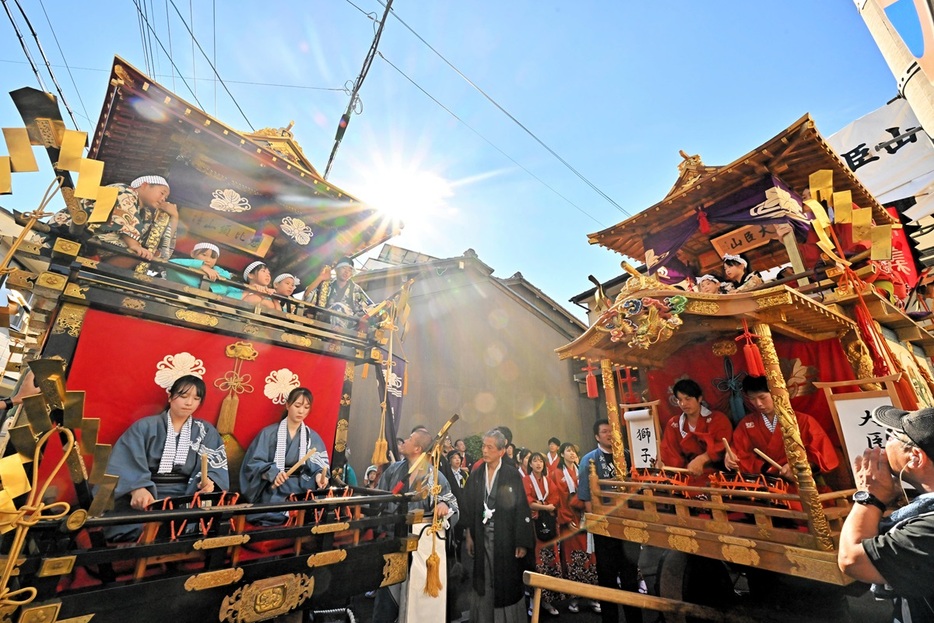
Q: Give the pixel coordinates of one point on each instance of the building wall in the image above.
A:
(476, 351)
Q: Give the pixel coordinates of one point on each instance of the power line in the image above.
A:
(214, 69)
(371, 14)
(45, 59)
(22, 43)
(142, 37)
(171, 60)
(214, 46)
(489, 142)
(247, 82)
(513, 119)
(65, 60)
(168, 29)
(367, 63)
(191, 18)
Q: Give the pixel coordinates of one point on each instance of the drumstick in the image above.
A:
(301, 462)
(765, 457)
(726, 444)
(677, 470)
(204, 470)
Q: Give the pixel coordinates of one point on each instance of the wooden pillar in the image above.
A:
(612, 411)
(339, 458)
(794, 255)
(794, 447)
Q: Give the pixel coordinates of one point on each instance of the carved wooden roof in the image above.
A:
(261, 182)
(705, 317)
(792, 155)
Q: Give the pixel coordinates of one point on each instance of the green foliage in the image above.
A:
(474, 445)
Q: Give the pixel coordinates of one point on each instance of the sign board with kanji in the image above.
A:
(744, 239)
(642, 431)
(852, 413)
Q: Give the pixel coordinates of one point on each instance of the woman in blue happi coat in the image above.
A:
(277, 448)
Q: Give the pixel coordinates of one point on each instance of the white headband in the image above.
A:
(206, 245)
(735, 258)
(148, 179)
(283, 277)
(250, 268)
(707, 278)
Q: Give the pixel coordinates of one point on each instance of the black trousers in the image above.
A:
(617, 561)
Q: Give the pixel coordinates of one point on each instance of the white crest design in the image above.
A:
(278, 385)
(228, 200)
(394, 384)
(173, 367)
(296, 229)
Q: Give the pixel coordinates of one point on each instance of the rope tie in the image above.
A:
(29, 515)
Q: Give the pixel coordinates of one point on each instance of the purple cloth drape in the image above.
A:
(743, 207)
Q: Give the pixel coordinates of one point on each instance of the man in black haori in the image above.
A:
(499, 535)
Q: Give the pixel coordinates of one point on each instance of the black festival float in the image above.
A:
(110, 335)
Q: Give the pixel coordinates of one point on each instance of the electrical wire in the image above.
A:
(374, 16)
(214, 46)
(48, 66)
(513, 119)
(194, 41)
(65, 61)
(191, 18)
(246, 82)
(142, 38)
(490, 143)
(367, 63)
(22, 43)
(151, 10)
(168, 28)
(171, 60)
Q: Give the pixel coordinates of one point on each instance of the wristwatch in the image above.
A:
(7, 404)
(866, 498)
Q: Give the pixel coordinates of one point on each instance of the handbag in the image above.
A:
(546, 527)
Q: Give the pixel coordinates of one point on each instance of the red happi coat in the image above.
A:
(712, 429)
(751, 432)
(547, 554)
(549, 466)
(569, 507)
(677, 451)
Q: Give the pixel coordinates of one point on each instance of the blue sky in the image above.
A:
(615, 88)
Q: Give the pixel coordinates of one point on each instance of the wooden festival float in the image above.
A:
(754, 205)
(111, 338)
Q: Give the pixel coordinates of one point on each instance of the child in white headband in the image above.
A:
(204, 256)
(708, 284)
(285, 284)
(257, 278)
(739, 278)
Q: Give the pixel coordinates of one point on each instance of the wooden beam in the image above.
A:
(680, 609)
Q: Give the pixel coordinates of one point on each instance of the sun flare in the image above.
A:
(405, 193)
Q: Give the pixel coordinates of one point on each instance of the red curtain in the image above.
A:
(115, 364)
(802, 363)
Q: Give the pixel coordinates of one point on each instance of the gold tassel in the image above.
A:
(379, 452)
(433, 581)
(405, 381)
(366, 371)
(228, 415)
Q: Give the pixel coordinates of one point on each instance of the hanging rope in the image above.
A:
(29, 515)
(754, 365)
